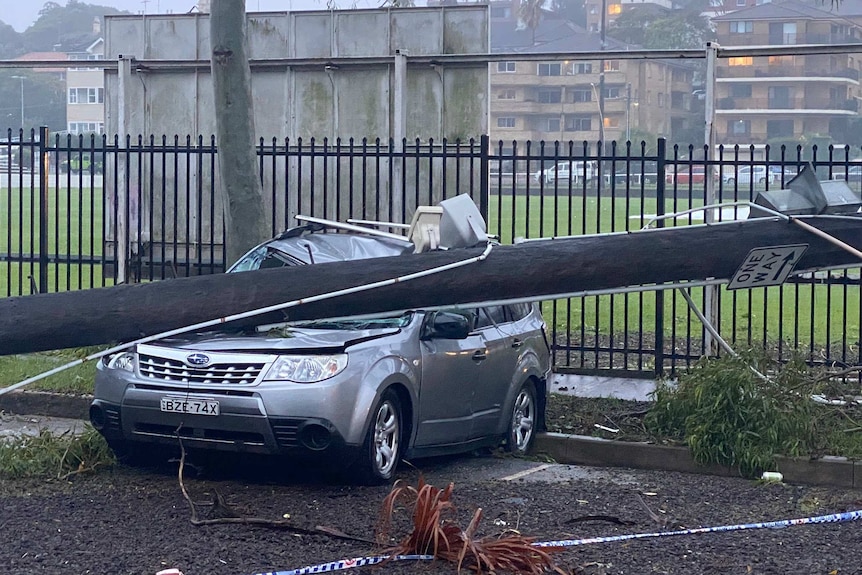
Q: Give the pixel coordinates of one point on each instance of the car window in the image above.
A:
(488, 316)
(518, 311)
(263, 257)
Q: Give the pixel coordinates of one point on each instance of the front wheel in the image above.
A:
(383, 442)
(523, 420)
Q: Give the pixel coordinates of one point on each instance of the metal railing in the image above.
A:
(69, 202)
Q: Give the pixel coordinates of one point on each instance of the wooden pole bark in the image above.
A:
(244, 209)
(528, 270)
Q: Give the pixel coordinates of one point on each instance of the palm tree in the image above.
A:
(530, 14)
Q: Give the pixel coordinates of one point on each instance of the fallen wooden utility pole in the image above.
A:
(536, 269)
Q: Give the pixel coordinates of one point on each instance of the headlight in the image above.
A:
(124, 360)
(307, 368)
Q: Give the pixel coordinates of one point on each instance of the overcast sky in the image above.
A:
(21, 14)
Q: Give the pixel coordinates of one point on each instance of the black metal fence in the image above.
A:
(82, 212)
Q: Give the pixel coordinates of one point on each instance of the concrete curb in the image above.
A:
(47, 404)
(562, 448)
(599, 452)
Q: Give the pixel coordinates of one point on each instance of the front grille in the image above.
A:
(164, 369)
(203, 434)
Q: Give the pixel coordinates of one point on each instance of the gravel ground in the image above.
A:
(138, 522)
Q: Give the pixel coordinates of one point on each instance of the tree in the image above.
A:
(530, 15)
(44, 100)
(66, 25)
(244, 207)
(641, 25)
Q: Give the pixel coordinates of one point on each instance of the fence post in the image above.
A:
(484, 176)
(659, 295)
(43, 209)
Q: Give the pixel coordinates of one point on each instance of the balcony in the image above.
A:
(785, 39)
(798, 104)
(778, 72)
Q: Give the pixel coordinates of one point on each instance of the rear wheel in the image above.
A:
(523, 420)
(762, 181)
(383, 442)
(731, 181)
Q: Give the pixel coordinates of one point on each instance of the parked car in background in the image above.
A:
(685, 174)
(747, 175)
(575, 171)
(851, 174)
(786, 172)
(359, 393)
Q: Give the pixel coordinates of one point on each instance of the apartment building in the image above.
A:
(560, 100)
(85, 90)
(767, 99)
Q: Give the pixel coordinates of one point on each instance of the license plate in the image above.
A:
(193, 406)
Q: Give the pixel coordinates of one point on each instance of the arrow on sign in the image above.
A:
(767, 266)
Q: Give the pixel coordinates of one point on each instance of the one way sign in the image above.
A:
(767, 266)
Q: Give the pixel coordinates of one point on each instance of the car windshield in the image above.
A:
(261, 258)
(366, 323)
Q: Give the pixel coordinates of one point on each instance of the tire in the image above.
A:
(761, 181)
(384, 442)
(523, 420)
(731, 181)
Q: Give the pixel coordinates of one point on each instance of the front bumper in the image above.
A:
(225, 432)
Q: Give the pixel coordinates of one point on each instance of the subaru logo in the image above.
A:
(198, 359)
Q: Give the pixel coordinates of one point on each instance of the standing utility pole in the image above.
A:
(244, 210)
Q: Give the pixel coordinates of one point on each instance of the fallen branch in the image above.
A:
(232, 517)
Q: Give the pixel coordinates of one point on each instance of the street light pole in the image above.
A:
(601, 114)
(21, 78)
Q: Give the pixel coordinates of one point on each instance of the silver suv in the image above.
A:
(364, 393)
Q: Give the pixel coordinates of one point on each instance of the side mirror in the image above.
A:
(447, 325)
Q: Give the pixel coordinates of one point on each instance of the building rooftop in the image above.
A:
(786, 10)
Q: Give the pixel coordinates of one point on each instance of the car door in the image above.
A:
(448, 367)
(498, 369)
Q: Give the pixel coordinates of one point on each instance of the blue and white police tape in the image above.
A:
(832, 518)
(349, 564)
(364, 561)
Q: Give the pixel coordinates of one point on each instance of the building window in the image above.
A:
(613, 93)
(550, 96)
(505, 67)
(612, 122)
(506, 95)
(549, 124)
(739, 127)
(501, 12)
(612, 65)
(506, 122)
(740, 61)
(86, 127)
(555, 69)
(582, 95)
(615, 9)
(86, 95)
(779, 128)
(781, 60)
(742, 27)
(740, 90)
(579, 124)
(660, 99)
(582, 68)
(740, 3)
(593, 9)
(85, 56)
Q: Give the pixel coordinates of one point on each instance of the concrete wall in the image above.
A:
(310, 101)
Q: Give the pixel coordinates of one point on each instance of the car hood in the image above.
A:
(296, 340)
